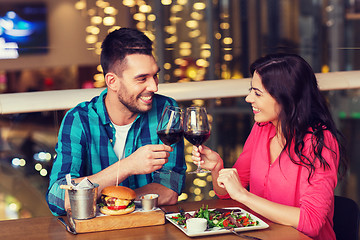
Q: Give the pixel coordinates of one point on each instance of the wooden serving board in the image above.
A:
(131, 220)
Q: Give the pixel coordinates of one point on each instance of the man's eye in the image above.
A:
(257, 94)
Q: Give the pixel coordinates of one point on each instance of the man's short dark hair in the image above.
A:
(120, 43)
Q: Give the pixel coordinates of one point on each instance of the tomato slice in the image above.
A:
(116, 207)
(226, 223)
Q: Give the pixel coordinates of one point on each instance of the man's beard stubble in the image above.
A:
(132, 107)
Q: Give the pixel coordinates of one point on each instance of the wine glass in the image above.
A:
(196, 129)
(170, 128)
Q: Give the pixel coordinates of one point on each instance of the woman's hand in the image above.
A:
(229, 180)
(207, 158)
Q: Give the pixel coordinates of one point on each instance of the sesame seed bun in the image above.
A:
(119, 192)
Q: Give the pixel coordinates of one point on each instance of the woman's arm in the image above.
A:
(212, 161)
(229, 180)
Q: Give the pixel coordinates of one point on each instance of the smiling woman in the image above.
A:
(292, 154)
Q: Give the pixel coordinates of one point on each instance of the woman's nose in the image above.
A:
(248, 98)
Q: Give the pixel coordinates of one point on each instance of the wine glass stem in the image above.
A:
(198, 167)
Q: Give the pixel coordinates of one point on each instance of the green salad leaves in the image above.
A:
(220, 218)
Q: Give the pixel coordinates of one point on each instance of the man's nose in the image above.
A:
(153, 85)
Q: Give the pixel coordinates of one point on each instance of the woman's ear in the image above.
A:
(111, 81)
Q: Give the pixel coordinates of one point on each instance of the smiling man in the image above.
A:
(112, 138)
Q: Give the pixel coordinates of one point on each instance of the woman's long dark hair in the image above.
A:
(290, 80)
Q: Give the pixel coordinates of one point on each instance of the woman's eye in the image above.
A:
(255, 91)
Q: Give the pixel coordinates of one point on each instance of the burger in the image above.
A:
(117, 200)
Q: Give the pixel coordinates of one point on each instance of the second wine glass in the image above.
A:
(170, 127)
(196, 129)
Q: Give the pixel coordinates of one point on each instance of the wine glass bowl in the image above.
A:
(196, 128)
(170, 127)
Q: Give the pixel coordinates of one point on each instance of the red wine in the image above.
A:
(196, 138)
(173, 136)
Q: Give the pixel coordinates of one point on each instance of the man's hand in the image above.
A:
(148, 158)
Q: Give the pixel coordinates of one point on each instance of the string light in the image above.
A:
(166, 2)
(80, 5)
(110, 11)
(199, 6)
(109, 21)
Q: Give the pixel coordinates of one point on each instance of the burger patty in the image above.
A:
(113, 201)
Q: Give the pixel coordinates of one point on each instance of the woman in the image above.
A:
(291, 158)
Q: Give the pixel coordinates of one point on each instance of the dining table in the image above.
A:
(49, 227)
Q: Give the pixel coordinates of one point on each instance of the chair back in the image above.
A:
(346, 218)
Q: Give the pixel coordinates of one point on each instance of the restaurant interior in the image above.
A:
(57, 47)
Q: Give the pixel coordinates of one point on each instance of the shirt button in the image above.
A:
(111, 125)
(111, 140)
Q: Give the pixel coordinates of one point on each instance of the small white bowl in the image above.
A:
(149, 201)
(194, 225)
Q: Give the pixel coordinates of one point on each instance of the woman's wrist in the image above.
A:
(244, 197)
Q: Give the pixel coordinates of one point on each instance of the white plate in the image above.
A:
(215, 231)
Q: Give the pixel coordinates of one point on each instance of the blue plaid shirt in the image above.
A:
(86, 146)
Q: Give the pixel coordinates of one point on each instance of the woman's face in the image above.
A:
(264, 106)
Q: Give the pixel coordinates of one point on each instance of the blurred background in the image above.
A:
(55, 45)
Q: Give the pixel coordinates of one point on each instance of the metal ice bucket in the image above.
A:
(83, 202)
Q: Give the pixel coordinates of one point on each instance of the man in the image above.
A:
(119, 124)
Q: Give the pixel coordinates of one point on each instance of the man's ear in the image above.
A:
(111, 81)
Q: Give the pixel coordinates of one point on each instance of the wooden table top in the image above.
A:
(50, 228)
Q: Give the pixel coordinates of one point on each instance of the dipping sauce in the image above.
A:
(196, 225)
(149, 201)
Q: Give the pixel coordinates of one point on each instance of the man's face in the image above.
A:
(138, 82)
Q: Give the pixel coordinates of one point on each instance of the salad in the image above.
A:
(217, 218)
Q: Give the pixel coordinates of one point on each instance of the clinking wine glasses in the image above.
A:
(196, 129)
(170, 128)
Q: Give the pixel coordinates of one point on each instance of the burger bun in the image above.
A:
(119, 192)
